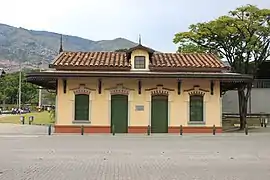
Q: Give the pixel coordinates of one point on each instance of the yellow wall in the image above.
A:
(100, 103)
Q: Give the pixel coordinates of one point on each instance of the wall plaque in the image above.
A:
(139, 108)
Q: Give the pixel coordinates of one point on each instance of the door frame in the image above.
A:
(150, 106)
(168, 108)
(127, 111)
(109, 106)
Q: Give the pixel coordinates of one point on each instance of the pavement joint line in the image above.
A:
(17, 136)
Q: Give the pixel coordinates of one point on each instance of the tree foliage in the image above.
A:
(242, 36)
(121, 50)
(190, 47)
(9, 90)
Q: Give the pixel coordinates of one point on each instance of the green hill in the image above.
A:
(32, 47)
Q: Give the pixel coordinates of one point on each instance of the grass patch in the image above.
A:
(230, 123)
(39, 118)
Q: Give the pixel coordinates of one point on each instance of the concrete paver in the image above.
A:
(158, 157)
(7, 128)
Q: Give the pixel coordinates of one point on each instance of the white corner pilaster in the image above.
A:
(56, 109)
(90, 107)
(73, 109)
(148, 99)
(220, 104)
(204, 111)
(130, 97)
(187, 115)
(109, 107)
(169, 113)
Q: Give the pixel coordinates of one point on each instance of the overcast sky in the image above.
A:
(156, 20)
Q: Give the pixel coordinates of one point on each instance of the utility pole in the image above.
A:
(39, 90)
(20, 87)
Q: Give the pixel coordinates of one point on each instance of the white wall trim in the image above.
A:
(188, 111)
(150, 112)
(129, 113)
(150, 109)
(204, 111)
(109, 95)
(56, 109)
(109, 106)
(220, 104)
(89, 111)
(169, 113)
(73, 108)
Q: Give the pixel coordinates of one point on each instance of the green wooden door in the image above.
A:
(159, 114)
(119, 113)
(81, 107)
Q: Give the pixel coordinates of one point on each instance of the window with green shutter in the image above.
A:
(82, 107)
(196, 108)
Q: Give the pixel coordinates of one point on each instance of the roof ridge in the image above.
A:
(183, 53)
(91, 51)
(200, 53)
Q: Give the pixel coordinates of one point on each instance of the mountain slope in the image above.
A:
(32, 47)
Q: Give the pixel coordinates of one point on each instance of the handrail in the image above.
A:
(261, 83)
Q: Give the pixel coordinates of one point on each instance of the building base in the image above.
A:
(132, 129)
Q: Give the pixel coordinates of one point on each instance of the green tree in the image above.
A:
(121, 50)
(242, 36)
(190, 47)
(9, 89)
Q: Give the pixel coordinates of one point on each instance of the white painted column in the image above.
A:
(187, 115)
(220, 104)
(73, 109)
(56, 109)
(90, 106)
(129, 105)
(150, 111)
(109, 107)
(169, 109)
(204, 111)
(148, 99)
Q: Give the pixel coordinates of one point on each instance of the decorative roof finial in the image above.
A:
(140, 39)
(61, 44)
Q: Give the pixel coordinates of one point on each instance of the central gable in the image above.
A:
(139, 60)
(140, 57)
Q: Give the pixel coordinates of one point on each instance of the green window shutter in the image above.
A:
(82, 107)
(196, 108)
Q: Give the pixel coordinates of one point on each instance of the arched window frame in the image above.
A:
(196, 101)
(77, 117)
(196, 91)
(82, 90)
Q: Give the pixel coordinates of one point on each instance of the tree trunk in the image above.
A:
(4, 104)
(243, 101)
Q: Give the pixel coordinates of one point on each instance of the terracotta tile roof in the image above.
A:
(92, 59)
(195, 60)
(119, 60)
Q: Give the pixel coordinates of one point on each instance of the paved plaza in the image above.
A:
(135, 157)
(9, 129)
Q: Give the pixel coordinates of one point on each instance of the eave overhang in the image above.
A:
(47, 79)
